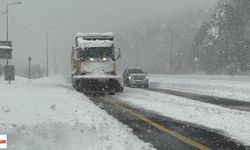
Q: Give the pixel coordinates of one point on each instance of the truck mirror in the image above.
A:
(117, 53)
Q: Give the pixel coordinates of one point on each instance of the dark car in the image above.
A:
(135, 78)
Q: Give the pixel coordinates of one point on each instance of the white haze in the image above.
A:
(28, 23)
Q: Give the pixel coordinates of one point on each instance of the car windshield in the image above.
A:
(97, 52)
(135, 71)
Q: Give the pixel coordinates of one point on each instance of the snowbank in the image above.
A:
(48, 114)
(232, 123)
(234, 87)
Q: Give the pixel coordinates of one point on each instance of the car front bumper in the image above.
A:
(138, 82)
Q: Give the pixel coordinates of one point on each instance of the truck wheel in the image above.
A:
(112, 91)
(129, 85)
(121, 89)
(113, 86)
(77, 86)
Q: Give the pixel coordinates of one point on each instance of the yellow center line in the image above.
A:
(163, 129)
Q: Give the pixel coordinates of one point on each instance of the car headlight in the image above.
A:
(146, 77)
(91, 59)
(129, 77)
(104, 59)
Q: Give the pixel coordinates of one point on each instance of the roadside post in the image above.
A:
(9, 73)
(6, 53)
(29, 66)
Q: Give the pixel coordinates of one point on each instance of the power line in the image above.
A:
(17, 22)
(24, 27)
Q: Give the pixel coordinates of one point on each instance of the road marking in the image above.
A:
(163, 129)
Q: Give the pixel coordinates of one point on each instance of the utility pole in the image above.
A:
(7, 24)
(57, 68)
(136, 48)
(47, 50)
(29, 66)
(54, 58)
(7, 29)
(7, 18)
(171, 47)
(47, 55)
(136, 56)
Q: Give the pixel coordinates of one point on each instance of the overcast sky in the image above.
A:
(28, 21)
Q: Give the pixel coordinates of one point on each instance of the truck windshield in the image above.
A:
(97, 52)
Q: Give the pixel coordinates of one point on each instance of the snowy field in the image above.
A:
(234, 87)
(232, 123)
(48, 114)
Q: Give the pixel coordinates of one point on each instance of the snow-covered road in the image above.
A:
(48, 114)
(233, 87)
(232, 123)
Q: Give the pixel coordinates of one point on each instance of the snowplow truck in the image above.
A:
(93, 63)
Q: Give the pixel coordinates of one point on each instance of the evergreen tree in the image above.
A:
(221, 45)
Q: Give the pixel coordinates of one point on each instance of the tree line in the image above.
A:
(222, 44)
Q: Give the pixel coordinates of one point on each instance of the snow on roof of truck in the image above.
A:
(94, 43)
(5, 47)
(96, 36)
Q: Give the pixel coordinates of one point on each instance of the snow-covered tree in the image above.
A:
(222, 43)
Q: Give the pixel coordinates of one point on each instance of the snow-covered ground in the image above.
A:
(48, 114)
(234, 87)
(232, 123)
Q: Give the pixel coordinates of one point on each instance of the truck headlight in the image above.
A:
(91, 59)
